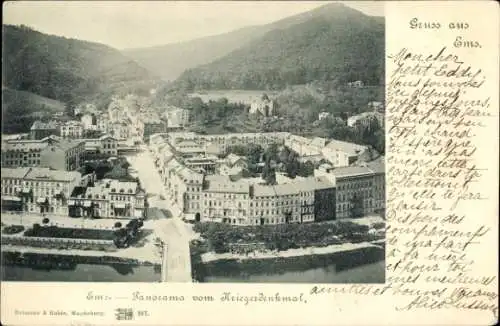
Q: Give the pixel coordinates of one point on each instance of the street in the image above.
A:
(175, 234)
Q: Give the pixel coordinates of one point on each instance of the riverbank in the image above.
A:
(22, 258)
(331, 249)
(360, 265)
(123, 254)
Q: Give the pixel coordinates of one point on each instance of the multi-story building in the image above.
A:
(244, 203)
(40, 130)
(224, 141)
(229, 198)
(224, 201)
(89, 121)
(202, 164)
(71, 129)
(103, 123)
(51, 152)
(176, 117)
(108, 199)
(188, 148)
(106, 144)
(184, 187)
(120, 130)
(360, 190)
(341, 153)
(39, 190)
(153, 126)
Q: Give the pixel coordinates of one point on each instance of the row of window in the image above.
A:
(21, 163)
(29, 183)
(356, 185)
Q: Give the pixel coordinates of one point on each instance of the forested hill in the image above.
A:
(65, 69)
(170, 60)
(332, 42)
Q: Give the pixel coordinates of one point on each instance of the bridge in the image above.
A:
(176, 258)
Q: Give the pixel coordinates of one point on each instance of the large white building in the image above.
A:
(38, 190)
(71, 129)
(108, 199)
(176, 117)
(341, 153)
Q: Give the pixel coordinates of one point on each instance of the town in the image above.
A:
(93, 182)
(251, 152)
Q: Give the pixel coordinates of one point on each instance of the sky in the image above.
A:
(135, 24)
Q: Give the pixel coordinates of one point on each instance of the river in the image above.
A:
(360, 266)
(31, 267)
(82, 273)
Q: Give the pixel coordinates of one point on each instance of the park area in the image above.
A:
(69, 233)
(222, 238)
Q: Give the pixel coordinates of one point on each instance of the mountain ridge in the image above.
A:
(65, 69)
(332, 42)
(172, 59)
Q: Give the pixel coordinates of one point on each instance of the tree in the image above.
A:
(306, 169)
(118, 225)
(121, 238)
(269, 175)
(45, 220)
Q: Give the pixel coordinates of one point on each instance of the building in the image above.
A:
(120, 130)
(219, 143)
(40, 130)
(71, 129)
(176, 117)
(262, 106)
(106, 145)
(360, 190)
(184, 187)
(51, 152)
(153, 127)
(108, 199)
(366, 118)
(188, 148)
(340, 153)
(202, 164)
(357, 83)
(225, 201)
(376, 106)
(38, 190)
(89, 121)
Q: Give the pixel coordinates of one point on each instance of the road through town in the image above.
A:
(176, 264)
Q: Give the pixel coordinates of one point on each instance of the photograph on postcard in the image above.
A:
(187, 144)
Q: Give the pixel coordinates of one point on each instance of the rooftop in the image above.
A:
(346, 147)
(39, 125)
(350, 171)
(219, 183)
(292, 188)
(52, 175)
(18, 173)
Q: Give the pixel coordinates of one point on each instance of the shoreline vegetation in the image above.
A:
(218, 241)
(290, 253)
(26, 257)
